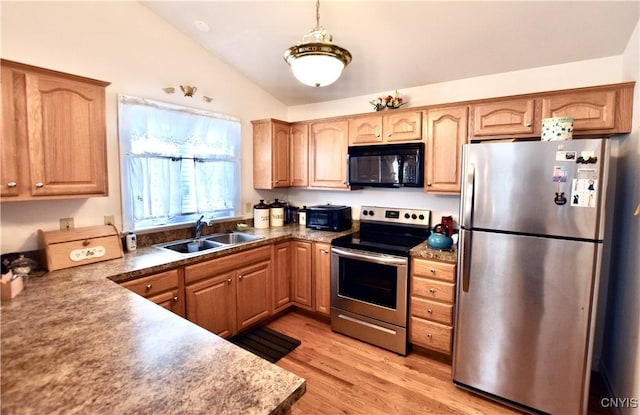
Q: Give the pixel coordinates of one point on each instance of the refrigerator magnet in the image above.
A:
(566, 155)
(559, 174)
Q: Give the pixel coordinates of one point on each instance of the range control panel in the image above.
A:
(396, 215)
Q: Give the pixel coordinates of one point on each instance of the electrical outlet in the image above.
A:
(109, 220)
(247, 207)
(66, 224)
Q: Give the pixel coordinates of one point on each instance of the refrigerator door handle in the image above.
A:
(470, 178)
(465, 258)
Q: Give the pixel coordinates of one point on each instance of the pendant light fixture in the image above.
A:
(315, 61)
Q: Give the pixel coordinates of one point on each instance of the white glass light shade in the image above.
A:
(317, 70)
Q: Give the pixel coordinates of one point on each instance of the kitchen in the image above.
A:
(122, 56)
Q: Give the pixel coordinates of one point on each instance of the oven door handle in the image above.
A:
(380, 259)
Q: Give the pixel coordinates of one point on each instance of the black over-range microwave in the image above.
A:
(388, 165)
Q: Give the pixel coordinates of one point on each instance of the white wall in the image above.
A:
(621, 357)
(139, 53)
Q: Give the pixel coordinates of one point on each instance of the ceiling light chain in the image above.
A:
(315, 61)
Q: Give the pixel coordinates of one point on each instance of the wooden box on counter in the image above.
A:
(81, 246)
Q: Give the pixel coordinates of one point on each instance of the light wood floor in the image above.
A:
(346, 376)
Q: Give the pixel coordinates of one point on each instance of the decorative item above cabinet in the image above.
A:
(53, 134)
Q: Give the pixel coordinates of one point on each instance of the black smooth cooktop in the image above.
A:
(384, 239)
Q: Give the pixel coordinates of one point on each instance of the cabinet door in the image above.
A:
(504, 118)
(67, 136)
(253, 293)
(322, 278)
(301, 261)
(591, 110)
(169, 300)
(402, 126)
(211, 304)
(10, 182)
(299, 155)
(281, 276)
(281, 154)
(365, 130)
(446, 132)
(328, 154)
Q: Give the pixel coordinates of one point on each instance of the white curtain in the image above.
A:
(157, 143)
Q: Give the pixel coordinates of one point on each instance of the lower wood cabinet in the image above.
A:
(431, 305)
(229, 294)
(164, 289)
(322, 278)
(301, 264)
(281, 276)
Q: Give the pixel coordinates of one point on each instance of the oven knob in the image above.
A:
(414, 216)
(407, 216)
(365, 213)
(371, 213)
(421, 217)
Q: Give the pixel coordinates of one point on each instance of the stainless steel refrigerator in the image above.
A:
(530, 253)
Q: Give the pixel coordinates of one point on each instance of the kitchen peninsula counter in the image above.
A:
(75, 341)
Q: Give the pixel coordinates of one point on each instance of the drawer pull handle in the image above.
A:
(11, 185)
(39, 185)
(86, 242)
(148, 287)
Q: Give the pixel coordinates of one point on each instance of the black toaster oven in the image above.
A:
(329, 217)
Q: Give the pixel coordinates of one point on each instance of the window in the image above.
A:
(176, 164)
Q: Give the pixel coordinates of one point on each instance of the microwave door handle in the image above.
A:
(348, 182)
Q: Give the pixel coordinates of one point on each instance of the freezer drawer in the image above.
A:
(523, 329)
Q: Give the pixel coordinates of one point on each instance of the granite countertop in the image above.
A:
(423, 251)
(75, 341)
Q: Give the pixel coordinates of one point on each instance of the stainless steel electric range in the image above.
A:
(370, 275)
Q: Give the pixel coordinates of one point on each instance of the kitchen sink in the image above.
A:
(209, 243)
(232, 238)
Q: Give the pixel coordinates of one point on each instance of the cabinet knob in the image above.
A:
(429, 335)
(432, 290)
(276, 181)
(433, 271)
(430, 311)
(239, 277)
(148, 287)
(388, 134)
(229, 281)
(175, 299)
(324, 251)
(527, 124)
(39, 185)
(11, 185)
(378, 135)
(428, 183)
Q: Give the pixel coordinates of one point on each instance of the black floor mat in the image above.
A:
(266, 343)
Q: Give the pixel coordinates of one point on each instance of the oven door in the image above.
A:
(370, 284)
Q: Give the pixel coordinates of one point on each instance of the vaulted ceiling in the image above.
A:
(402, 44)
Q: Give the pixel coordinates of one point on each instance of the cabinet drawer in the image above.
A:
(434, 269)
(431, 335)
(432, 310)
(154, 284)
(433, 289)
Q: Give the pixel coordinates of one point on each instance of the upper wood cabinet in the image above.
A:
(53, 142)
(601, 110)
(328, 143)
(299, 161)
(446, 133)
(393, 126)
(271, 154)
(508, 117)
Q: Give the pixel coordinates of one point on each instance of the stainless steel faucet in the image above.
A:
(199, 225)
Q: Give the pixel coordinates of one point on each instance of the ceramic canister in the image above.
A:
(261, 215)
(276, 210)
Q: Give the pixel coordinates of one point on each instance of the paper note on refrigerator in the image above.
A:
(583, 192)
